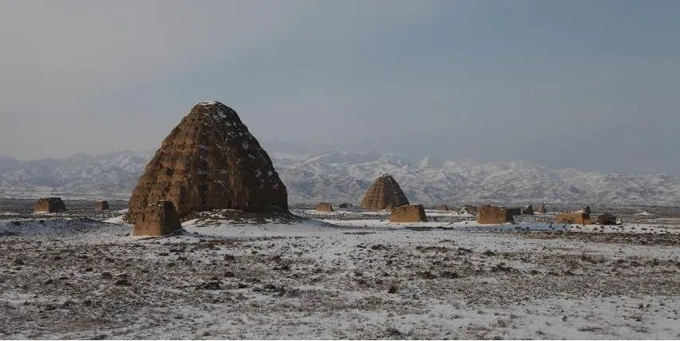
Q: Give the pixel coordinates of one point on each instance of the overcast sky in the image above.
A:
(593, 85)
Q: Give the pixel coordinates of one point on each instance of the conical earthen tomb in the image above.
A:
(210, 161)
(384, 192)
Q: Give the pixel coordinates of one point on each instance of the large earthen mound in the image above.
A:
(384, 193)
(158, 219)
(408, 214)
(488, 214)
(210, 161)
(49, 205)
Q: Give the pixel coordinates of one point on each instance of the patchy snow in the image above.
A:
(346, 275)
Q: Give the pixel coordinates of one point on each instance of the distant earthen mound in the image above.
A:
(541, 209)
(210, 161)
(443, 208)
(49, 205)
(515, 211)
(383, 193)
(158, 219)
(606, 219)
(324, 207)
(488, 214)
(101, 205)
(408, 214)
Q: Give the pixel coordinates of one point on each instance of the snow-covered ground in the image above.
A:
(338, 276)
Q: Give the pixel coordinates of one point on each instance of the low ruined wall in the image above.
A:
(408, 214)
(573, 218)
(324, 207)
(488, 214)
(101, 206)
(606, 219)
(49, 205)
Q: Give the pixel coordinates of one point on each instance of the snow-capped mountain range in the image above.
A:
(345, 176)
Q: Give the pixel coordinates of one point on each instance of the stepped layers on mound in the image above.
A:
(384, 193)
(210, 161)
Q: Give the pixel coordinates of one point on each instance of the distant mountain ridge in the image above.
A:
(345, 176)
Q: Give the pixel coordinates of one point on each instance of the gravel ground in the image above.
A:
(77, 276)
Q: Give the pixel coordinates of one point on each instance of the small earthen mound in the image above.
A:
(579, 218)
(542, 209)
(528, 210)
(101, 205)
(488, 214)
(383, 193)
(606, 219)
(408, 214)
(210, 161)
(324, 207)
(159, 219)
(49, 205)
(443, 208)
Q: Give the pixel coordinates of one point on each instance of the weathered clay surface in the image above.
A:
(442, 208)
(158, 219)
(408, 214)
(573, 218)
(324, 207)
(210, 161)
(49, 205)
(383, 193)
(102, 205)
(488, 214)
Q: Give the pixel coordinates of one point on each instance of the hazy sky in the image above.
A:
(587, 84)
